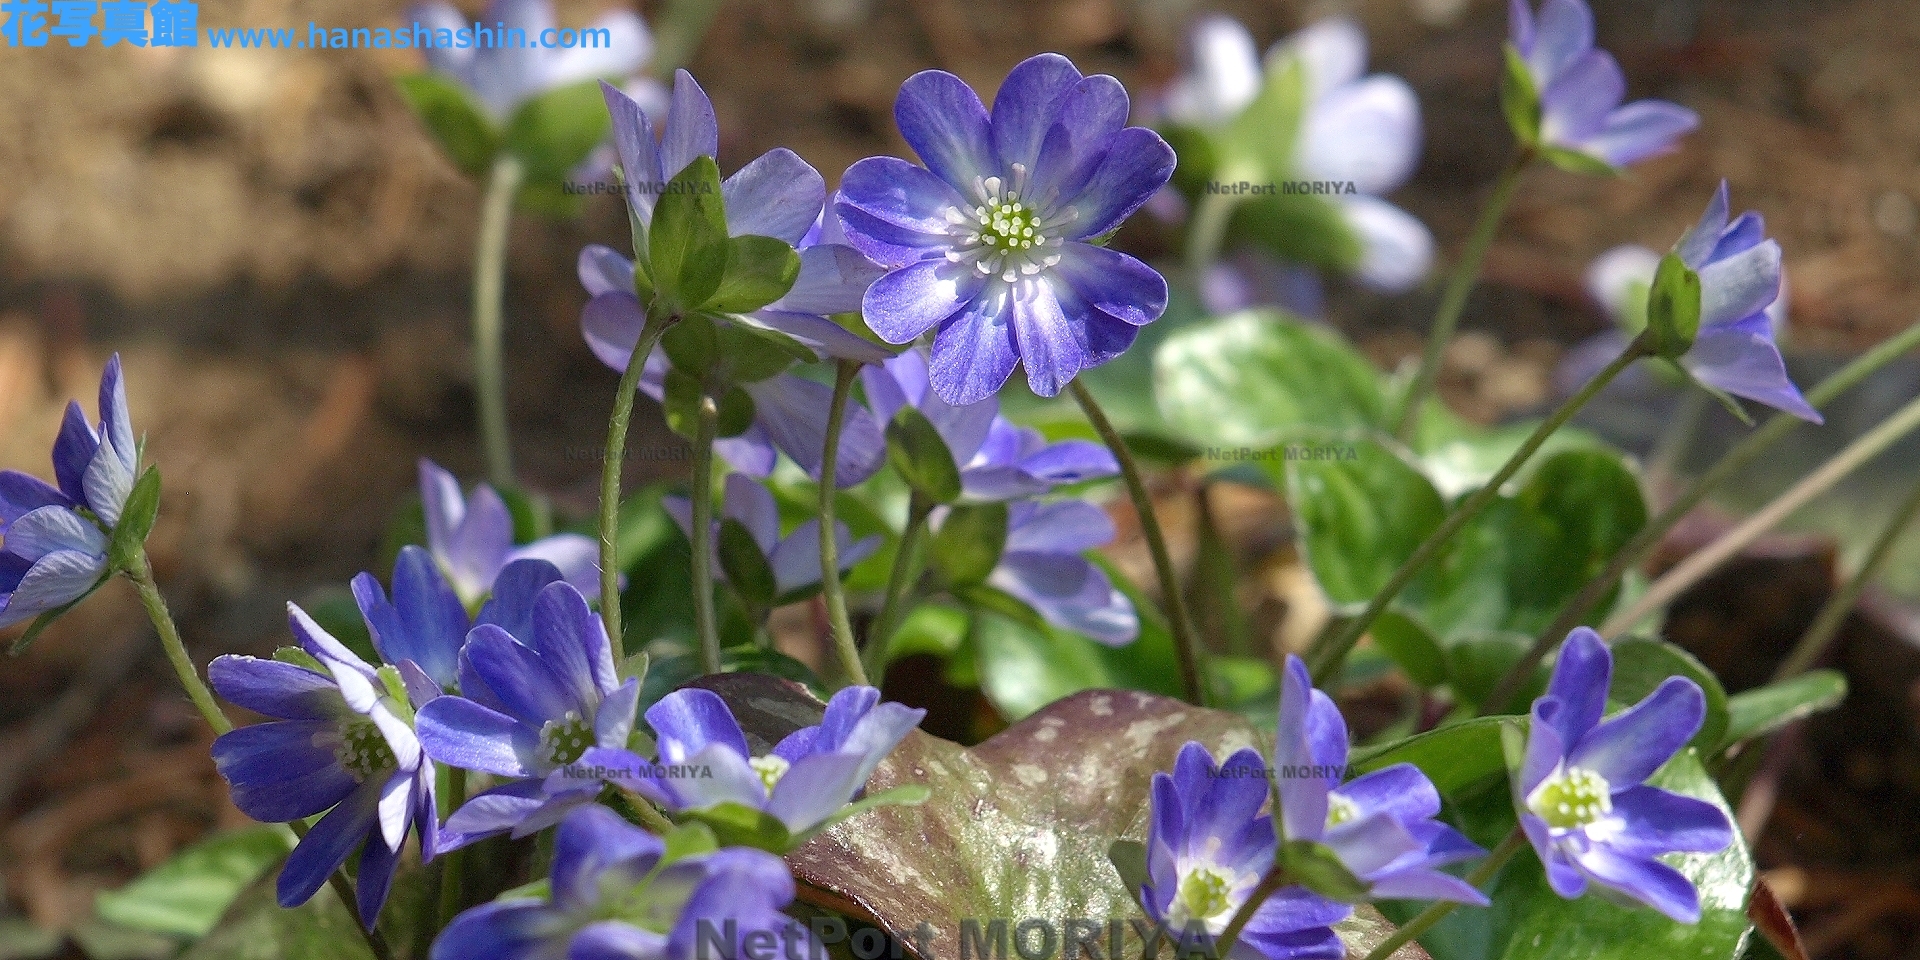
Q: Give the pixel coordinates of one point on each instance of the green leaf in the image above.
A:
(1129, 859)
(1260, 141)
(688, 236)
(668, 674)
(21, 940)
(299, 658)
(1478, 660)
(1018, 827)
(1259, 378)
(968, 544)
(454, 118)
(1023, 668)
(1359, 519)
(920, 455)
(1528, 921)
(532, 513)
(1519, 99)
(747, 569)
(688, 840)
(1641, 665)
(258, 928)
(136, 520)
(186, 895)
(1755, 713)
(554, 132)
(1412, 646)
(932, 628)
(738, 825)
(641, 527)
(1453, 757)
(1673, 308)
(910, 795)
(759, 270)
(1578, 161)
(1299, 228)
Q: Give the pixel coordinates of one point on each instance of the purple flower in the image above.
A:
(1580, 89)
(1209, 841)
(1740, 279)
(502, 77)
(54, 539)
(1355, 128)
(526, 709)
(615, 895)
(472, 539)
(1380, 825)
(806, 778)
(997, 460)
(337, 744)
(776, 195)
(425, 623)
(1042, 566)
(794, 558)
(1581, 793)
(991, 242)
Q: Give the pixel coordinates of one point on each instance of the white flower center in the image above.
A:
(1004, 232)
(1206, 896)
(364, 751)
(1574, 797)
(1340, 810)
(562, 741)
(770, 768)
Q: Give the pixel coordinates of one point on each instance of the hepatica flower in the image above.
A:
(54, 538)
(425, 622)
(776, 195)
(1358, 137)
(997, 459)
(794, 559)
(503, 77)
(1578, 89)
(1381, 825)
(1581, 793)
(472, 539)
(990, 243)
(802, 784)
(1209, 841)
(336, 744)
(1043, 567)
(616, 895)
(526, 709)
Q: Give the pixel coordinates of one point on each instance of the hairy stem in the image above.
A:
(1643, 542)
(1327, 658)
(1439, 909)
(1691, 570)
(705, 622)
(141, 573)
(906, 572)
(1186, 640)
(489, 289)
(1834, 613)
(1465, 273)
(831, 588)
(615, 452)
(1207, 231)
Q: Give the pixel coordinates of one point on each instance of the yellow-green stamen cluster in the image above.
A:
(1205, 893)
(1004, 233)
(1340, 810)
(562, 741)
(364, 751)
(1574, 797)
(770, 768)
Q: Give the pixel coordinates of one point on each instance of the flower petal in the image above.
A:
(279, 690)
(686, 721)
(1137, 163)
(1740, 285)
(1646, 880)
(1581, 676)
(894, 212)
(326, 846)
(973, 353)
(603, 269)
(461, 733)
(691, 129)
(942, 119)
(1628, 748)
(1641, 129)
(1367, 133)
(776, 195)
(1396, 250)
(912, 300)
(1025, 107)
(519, 677)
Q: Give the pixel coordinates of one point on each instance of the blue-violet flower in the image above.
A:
(503, 76)
(794, 558)
(1042, 566)
(1581, 793)
(1580, 88)
(472, 539)
(991, 243)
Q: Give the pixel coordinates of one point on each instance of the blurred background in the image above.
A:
(281, 255)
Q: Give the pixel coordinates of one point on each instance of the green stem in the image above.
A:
(1702, 562)
(453, 863)
(343, 890)
(141, 573)
(641, 809)
(1326, 658)
(489, 288)
(1211, 215)
(704, 619)
(1186, 640)
(616, 452)
(830, 586)
(1831, 616)
(1438, 911)
(1643, 542)
(905, 573)
(1465, 273)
